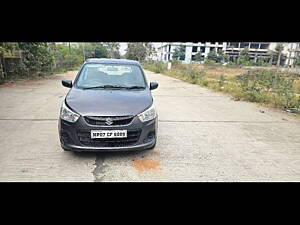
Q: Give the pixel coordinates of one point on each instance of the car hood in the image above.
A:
(105, 102)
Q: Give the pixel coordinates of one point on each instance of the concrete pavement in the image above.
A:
(203, 136)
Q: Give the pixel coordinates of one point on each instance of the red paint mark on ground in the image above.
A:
(145, 165)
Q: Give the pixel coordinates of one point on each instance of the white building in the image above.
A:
(232, 49)
(291, 51)
(256, 50)
(166, 50)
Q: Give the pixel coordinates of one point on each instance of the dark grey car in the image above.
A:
(108, 108)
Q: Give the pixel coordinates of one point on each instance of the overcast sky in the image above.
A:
(123, 46)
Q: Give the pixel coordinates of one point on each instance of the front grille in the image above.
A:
(65, 137)
(115, 120)
(84, 137)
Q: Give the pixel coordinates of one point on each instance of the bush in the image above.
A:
(157, 67)
(231, 65)
(175, 62)
(205, 83)
(209, 62)
(71, 61)
(222, 80)
(269, 86)
(189, 73)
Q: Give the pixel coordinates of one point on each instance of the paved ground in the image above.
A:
(203, 136)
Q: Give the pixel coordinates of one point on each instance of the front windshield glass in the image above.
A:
(94, 75)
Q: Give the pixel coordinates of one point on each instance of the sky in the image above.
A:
(123, 46)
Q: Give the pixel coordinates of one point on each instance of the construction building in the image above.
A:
(291, 52)
(257, 50)
(166, 50)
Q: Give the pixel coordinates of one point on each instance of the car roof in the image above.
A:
(116, 61)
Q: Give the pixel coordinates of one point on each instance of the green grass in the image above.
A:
(272, 88)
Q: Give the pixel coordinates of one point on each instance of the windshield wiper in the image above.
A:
(104, 86)
(135, 87)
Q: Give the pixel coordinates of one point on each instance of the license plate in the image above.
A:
(108, 133)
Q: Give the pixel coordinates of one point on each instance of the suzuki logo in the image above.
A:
(109, 121)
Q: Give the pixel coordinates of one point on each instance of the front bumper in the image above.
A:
(71, 139)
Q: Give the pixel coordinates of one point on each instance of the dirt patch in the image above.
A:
(23, 83)
(38, 80)
(145, 165)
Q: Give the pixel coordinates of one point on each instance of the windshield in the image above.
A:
(97, 75)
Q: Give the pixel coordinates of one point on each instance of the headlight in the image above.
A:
(67, 114)
(148, 114)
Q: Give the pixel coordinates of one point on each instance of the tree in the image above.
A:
(95, 50)
(36, 56)
(260, 61)
(113, 49)
(150, 49)
(222, 57)
(279, 48)
(7, 48)
(244, 56)
(66, 58)
(179, 53)
(198, 57)
(212, 55)
(136, 51)
(276, 55)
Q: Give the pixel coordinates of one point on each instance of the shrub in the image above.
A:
(157, 67)
(70, 61)
(209, 62)
(204, 83)
(264, 85)
(221, 80)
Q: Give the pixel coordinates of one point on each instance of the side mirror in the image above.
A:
(153, 85)
(67, 83)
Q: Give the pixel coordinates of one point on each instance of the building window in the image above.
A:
(254, 45)
(220, 43)
(212, 49)
(202, 49)
(244, 44)
(264, 46)
(194, 49)
(233, 45)
(169, 48)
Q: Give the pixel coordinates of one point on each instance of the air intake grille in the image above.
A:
(108, 120)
